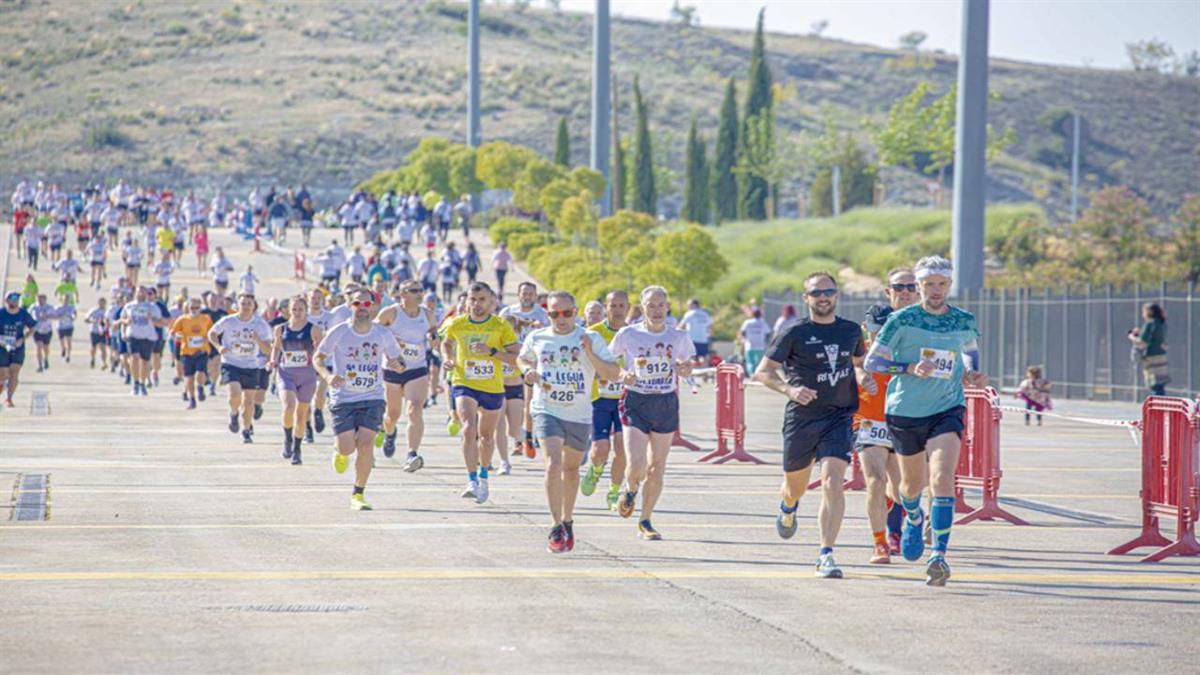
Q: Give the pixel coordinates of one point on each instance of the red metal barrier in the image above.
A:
(298, 265)
(731, 417)
(1170, 482)
(979, 458)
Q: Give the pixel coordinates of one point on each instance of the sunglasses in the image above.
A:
(414, 291)
(565, 313)
(822, 293)
(911, 288)
(362, 303)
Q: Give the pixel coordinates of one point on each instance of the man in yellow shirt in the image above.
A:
(166, 241)
(606, 417)
(474, 347)
(192, 329)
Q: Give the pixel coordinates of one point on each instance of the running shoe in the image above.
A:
(144, 392)
(614, 493)
(233, 423)
(625, 505)
(200, 392)
(588, 485)
(530, 449)
(557, 540)
(156, 379)
(296, 461)
(413, 463)
(911, 545)
(132, 392)
(191, 404)
(185, 395)
(175, 381)
(937, 571)
(258, 411)
(9, 402)
(246, 436)
(319, 420)
(308, 433)
(881, 556)
(340, 462)
(212, 388)
(827, 568)
(472, 488)
(894, 543)
(453, 427)
(380, 437)
(481, 493)
(287, 448)
(646, 531)
(128, 377)
(569, 535)
(389, 444)
(505, 467)
(357, 503)
(785, 523)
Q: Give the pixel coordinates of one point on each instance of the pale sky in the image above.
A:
(1070, 32)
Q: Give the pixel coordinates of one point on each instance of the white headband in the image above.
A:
(924, 272)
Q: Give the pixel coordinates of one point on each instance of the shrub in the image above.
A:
(104, 133)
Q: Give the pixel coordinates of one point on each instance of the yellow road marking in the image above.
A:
(568, 573)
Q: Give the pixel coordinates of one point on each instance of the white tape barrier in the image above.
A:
(1133, 426)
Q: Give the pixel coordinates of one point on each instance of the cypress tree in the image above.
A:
(619, 181)
(645, 198)
(562, 144)
(704, 201)
(692, 176)
(724, 181)
(753, 190)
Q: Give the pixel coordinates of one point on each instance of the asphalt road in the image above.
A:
(171, 546)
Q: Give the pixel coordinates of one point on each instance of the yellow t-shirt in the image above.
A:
(480, 372)
(609, 388)
(166, 239)
(193, 333)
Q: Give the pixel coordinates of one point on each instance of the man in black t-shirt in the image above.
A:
(819, 358)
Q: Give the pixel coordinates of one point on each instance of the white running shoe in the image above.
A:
(472, 490)
(505, 467)
(481, 492)
(827, 568)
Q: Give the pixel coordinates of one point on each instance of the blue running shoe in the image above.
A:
(937, 571)
(785, 522)
(912, 546)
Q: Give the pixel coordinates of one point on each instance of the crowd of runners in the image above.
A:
(386, 332)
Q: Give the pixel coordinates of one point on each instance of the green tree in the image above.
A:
(645, 197)
(723, 180)
(1114, 237)
(537, 174)
(693, 193)
(619, 179)
(463, 180)
(562, 144)
(498, 164)
(766, 156)
(856, 186)
(753, 190)
(1187, 237)
(686, 261)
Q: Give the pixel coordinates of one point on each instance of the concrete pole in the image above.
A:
(473, 134)
(837, 191)
(601, 79)
(1074, 166)
(970, 169)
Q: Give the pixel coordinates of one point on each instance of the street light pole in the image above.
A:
(601, 112)
(970, 151)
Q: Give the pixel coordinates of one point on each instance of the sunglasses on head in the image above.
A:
(911, 288)
(361, 303)
(822, 293)
(564, 313)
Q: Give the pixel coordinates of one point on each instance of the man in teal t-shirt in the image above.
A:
(930, 349)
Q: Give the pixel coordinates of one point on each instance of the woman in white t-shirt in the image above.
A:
(754, 334)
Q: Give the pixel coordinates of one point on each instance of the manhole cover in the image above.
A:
(39, 405)
(31, 496)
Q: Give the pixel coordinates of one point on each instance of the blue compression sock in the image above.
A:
(913, 507)
(483, 471)
(826, 549)
(941, 517)
(473, 475)
(895, 518)
(786, 509)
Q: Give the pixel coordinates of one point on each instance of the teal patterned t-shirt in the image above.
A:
(913, 334)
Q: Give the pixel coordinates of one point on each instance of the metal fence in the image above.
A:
(1078, 336)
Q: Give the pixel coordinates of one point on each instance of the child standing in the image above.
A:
(1035, 391)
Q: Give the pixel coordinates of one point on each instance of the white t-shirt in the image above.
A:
(162, 272)
(359, 359)
(565, 389)
(699, 324)
(239, 336)
(755, 332)
(652, 356)
(221, 267)
(536, 313)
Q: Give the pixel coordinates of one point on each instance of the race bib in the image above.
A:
(8, 341)
(413, 355)
(195, 341)
(296, 359)
(362, 377)
(874, 433)
(479, 369)
(507, 371)
(610, 388)
(653, 367)
(141, 317)
(245, 348)
(943, 361)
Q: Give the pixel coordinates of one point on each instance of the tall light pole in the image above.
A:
(473, 134)
(601, 102)
(970, 150)
(1074, 166)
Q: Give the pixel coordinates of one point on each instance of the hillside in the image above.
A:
(328, 93)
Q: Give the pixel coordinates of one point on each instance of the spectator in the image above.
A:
(1150, 348)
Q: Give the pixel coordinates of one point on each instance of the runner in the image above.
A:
(875, 447)
(819, 357)
(930, 348)
(16, 325)
(412, 327)
(660, 355)
(131, 253)
(561, 363)
(192, 329)
(97, 319)
(64, 317)
(221, 267)
(139, 319)
(607, 432)
(501, 261)
(356, 350)
(509, 424)
(44, 313)
(240, 339)
(214, 309)
(319, 318)
(97, 252)
(292, 354)
(531, 316)
(474, 346)
(698, 324)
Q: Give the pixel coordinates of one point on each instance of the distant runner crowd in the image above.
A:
(386, 331)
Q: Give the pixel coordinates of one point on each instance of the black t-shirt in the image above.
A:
(818, 356)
